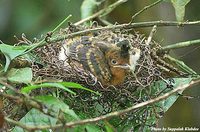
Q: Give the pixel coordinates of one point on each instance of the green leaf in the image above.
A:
(179, 6)
(34, 118)
(10, 52)
(28, 89)
(88, 7)
(163, 105)
(151, 112)
(92, 128)
(88, 127)
(21, 75)
(161, 85)
(78, 86)
(109, 127)
(56, 105)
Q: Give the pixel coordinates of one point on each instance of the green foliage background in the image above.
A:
(36, 17)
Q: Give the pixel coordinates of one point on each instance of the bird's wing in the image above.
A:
(93, 59)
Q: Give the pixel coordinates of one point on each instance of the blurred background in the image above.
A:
(37, 17)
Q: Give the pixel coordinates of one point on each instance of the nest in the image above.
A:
(112, 97)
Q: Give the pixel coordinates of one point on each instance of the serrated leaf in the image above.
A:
(28, 89)
(10, 52)
(21, 75)
(179, 6)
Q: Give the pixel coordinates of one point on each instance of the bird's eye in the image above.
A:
(113, 61)
(133, 52)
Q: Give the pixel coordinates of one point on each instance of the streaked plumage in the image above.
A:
(109, 62)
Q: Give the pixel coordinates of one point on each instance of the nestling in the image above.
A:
(109, 62)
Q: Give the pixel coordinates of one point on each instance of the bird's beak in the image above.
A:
(124, 66)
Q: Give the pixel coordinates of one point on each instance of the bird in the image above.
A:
(109, 62)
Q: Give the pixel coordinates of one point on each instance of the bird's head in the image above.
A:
(121, 59)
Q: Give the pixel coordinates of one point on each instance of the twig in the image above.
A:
(181, 45)
(59, 25)
(107, 116)
(101, 12)
(181, 65)
(151, 35)
(43, 40)
(17, 123)
(25, 99)
(22, 100)
(114, 27)
(145, 8)
(2, 81)
(126, 26)
(112, 7)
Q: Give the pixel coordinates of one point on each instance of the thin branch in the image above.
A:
(125, 26)
(59, 25)
(181, 45)
(25, 99)
(16, 123)
(181, 65)
(101, 12)
(110, 115)
(144, 9)
(114, 27)
(151, 35)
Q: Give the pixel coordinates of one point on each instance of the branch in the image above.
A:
(104, 11)
(114, 27)
(25, 99)
(181, 65)
(181, 45)
(16, 123)
(145, 8)
(151, 35)
(99, 13)
(125, 26)
(107, 116)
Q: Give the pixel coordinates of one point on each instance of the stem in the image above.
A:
(101, 12)
(181, 65)
(107, 116)
(151, 35)
(181, 45)
(59, 25)
(145, 8)
(34, 46)
(113, 27)
(125, 26)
